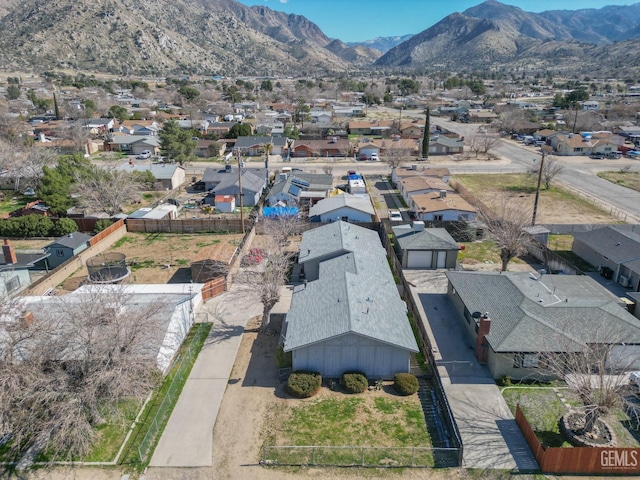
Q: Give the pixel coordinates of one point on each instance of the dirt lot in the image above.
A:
(165, 258)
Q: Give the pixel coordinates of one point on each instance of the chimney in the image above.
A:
(418, 226)
(484, 326)
(9, 253)
(443, 194)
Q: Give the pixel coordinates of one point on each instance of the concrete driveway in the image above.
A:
(490, 436)
(187, 440)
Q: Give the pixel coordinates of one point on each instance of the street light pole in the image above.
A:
(535, 202)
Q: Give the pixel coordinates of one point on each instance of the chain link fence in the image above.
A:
(171, 397)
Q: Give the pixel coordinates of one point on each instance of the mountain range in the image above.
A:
(225, 37)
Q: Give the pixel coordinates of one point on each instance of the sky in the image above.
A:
(358, 20)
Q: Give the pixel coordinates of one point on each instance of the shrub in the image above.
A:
(102, 224)
(505, 381)
(405, 383)
(354, 382)
(304, 384)
(26, 226)
(64, 226)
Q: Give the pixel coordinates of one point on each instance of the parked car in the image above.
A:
(374, 157)
(29, 192)
(614, 154)
(144, 155)
(633, 154)
(395, 216)
(598, 156)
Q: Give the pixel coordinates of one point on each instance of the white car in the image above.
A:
(374, 157)
(395, 215)
(144, 155)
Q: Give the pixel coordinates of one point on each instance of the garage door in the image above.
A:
(442, 260)
(419, 259)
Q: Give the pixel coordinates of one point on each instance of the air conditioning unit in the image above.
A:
(623, 281)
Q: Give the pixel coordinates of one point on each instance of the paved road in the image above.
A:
(490, 436)
(187, 440)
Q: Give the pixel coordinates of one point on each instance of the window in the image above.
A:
(59, 252)
(437, 218)
(526, 360)
(12, 284)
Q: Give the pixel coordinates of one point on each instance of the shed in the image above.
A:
(225, 203)
(63, 248)
(346, 207)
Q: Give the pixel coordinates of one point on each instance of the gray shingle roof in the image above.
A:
(73, 240)
(355, 291)
(552, 313)
(427, 239)
(618, 244)
(250, 182)
(361, 204)
(160, 171)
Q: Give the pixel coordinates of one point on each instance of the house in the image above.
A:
(171, 175)
(289, 188)
(332, 147)
(14, 269)
(255, 146)
(100, 126)
(252, 187)
(446, 146)
(346, 207)
(164, 211)
(426, 248)
(441, 207)
(515, 319)
(414, 130)
(133, 144)
(477, 116)
(347, 315)
(139, 127)
(373, 127)
(225, 203)
(570, 144)
(543, 134)
(212, 177)
(591, 105)
(321, 117)
(411, 186)
(64, 248)
(614, 249)
(401, 172)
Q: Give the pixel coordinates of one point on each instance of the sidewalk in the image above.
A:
(187, 440)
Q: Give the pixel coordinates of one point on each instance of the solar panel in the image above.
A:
(294, 190)
(300, 182)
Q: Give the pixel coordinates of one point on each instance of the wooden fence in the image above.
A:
(214, 288)
(106, 232)
(188, 225)
(579, 460)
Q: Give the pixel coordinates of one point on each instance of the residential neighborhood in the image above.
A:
(272, 276)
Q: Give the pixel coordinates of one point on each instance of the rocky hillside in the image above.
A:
(153, 37)
(383, 44)
(357, 55)
(493, 34)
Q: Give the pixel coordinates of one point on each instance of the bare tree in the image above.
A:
(504, 222)
(483, 143)
(327, 169)
(393, 159)
(107, 189)
(591, 364)
(65, 364)
(550, 170)
(28, 166)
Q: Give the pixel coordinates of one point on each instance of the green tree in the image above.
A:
(56, 108)
(387, 98)
(119, 112)
(239, 130)
(27, 226)
(89, 106)
(13, 91)
(64, 226)
(102, 224)
(426, 138)
(176, 143)
(266, 85)
(190, 94)
(57, 182)
(408, 86)
(301, 111)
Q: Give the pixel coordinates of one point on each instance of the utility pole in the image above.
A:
(240, 188)
(535, 202)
